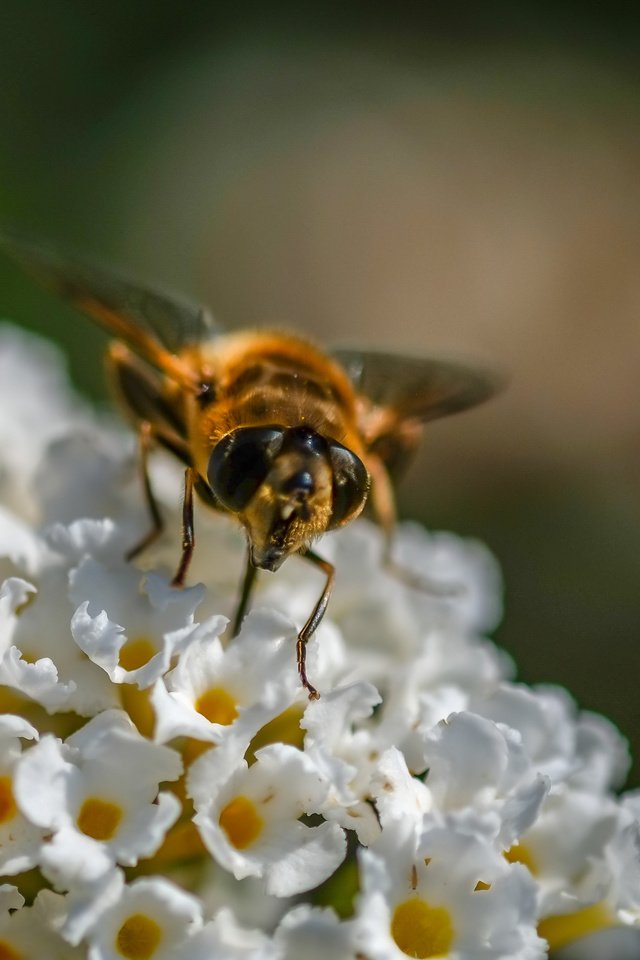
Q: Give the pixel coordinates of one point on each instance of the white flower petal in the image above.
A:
(20, 840)
(19, 544)
(149, 610)
(314, 934)
(304, 859)
(223, 939)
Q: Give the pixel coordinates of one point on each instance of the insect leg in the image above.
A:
(314, 620)
(140, 392)
(145, 441)
(382, 500)
(384, 509)
(245, 596)
(188, 535)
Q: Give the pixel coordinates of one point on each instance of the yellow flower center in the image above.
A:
(138, 937)
(8, 953)
(99, 818)
(7, 803)
(565, 928)
(241, 822)
(136, 652)
(285, 728)
(11, 701)
(137, 703)
(28, 657)
(217, 706)
(182, 843)
(520, 853)
(420, 930)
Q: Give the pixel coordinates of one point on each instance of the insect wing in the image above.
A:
(147, 319)
(417, 388)
(401, 393)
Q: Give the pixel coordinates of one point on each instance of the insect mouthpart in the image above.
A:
(270, 559)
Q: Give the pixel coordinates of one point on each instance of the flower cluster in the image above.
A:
(168, 791)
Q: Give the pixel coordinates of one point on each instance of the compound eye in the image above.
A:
(350, 484)
(240, 462)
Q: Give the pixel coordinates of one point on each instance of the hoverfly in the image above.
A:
(288, 438)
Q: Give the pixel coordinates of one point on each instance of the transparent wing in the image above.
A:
(417, 388)
(135, 313)
(405, 392)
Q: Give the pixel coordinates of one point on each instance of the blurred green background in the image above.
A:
(448, 178)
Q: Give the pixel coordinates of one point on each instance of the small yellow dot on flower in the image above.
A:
(481, 885)
(136, 652)
(241, 822)
(8, 953)
(7, 803)
(420, 930)
(217, 706)
(138, 937)
(99, 818)
(520, 853)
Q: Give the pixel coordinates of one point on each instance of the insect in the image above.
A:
(288, 438)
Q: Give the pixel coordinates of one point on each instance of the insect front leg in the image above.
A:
(145, 443)
(247, 587)
(314, 620)
(188, 534)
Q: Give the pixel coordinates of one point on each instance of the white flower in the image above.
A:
(224, 939)
(565, 849)
(443, 558)
(151, 919)
(14, 595)
(345, 754)
(132, 624)
(84, 474)
(617, 943)
(98, 797)
(20, 547)
(449, 672)
(440, 893)
(36, 405)
(546, 718)
(398, 795)
(20, 840)
(214, 691)
(40, 659)
(34, 931)
(315, 934)
(584, 852)
(248, 817)
(480, 768)
(73, 542)
(602, 754)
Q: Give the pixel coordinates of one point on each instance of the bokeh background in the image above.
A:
(442, 178)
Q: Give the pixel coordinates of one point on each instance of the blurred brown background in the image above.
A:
(457, 179)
